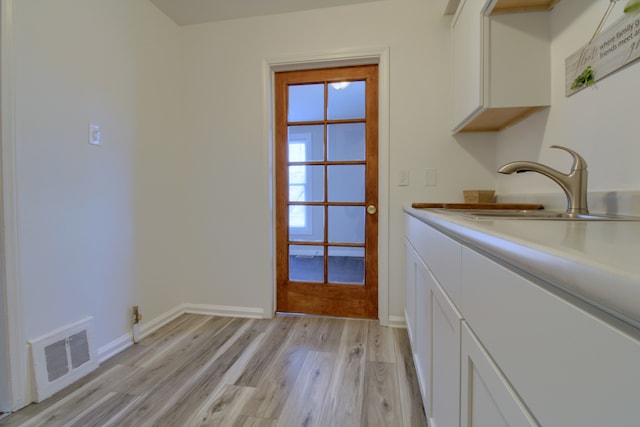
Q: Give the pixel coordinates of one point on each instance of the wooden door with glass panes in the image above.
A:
(327, 191)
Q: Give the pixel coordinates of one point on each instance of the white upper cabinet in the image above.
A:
(501, 65)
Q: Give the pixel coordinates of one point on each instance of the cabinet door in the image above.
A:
(410, 292)
(441, 254)
(445, 358)
(467, 65)
(437, 349)
(568, 365)
(487, 400)
(423, 333)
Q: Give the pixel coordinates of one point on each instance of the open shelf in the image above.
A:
(509, 6)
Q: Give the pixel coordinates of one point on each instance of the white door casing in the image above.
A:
(16, 370)
(377, 55)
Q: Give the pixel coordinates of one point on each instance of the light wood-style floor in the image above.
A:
(212, 371)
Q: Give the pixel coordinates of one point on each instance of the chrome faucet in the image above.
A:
(574, 184)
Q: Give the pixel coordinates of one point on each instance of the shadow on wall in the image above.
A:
(611, 202)
(620, 203)
(485, 147)
(527, 145)
(571, 11)
(481, 146)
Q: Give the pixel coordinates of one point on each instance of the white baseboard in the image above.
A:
(125, 341)
(397, 322)
(225, 311)
(158, 322)
(109, 350)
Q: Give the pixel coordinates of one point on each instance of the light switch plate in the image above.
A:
(403, 178)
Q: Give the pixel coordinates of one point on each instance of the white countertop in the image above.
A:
(595, 260)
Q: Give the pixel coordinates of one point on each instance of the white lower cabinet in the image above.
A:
(418, 313)
(435, 322)
(568, 365)
(445, 321)
(487, 399)
(509, 350)
(410, 292)
(422, 355)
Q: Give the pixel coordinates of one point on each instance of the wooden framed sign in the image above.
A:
(612, 49)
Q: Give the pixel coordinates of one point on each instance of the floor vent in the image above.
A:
(62, 357)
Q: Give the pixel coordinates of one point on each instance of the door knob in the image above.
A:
(371, 209)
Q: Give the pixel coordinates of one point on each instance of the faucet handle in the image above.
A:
(578, 161)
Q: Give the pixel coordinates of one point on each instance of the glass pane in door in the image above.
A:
(306, 223)
(346, 265)
(346, 224)
(306, 103)
(346, 100)
(345, 183)
(346, 141)
(306, 183)
(306, 263)
(306, 143)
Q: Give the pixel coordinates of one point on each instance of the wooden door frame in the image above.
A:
(379, 56)
(325, 297)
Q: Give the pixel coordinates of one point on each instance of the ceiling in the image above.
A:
(186, 12)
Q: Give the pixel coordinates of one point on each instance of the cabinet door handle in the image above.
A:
(371, 210)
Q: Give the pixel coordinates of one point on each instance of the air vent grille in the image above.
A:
(56, 358)
(63, 356)
(79, 348)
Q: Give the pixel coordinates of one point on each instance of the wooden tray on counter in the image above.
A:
(503, 206)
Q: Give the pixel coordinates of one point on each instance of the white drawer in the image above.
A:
(440, 253)
(443, 258)
(417, 234)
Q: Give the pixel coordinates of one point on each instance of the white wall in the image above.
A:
(99, 227)
(175, 206)
(600, 122)
(228, 179)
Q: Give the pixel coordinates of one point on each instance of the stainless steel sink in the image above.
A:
(534, 215)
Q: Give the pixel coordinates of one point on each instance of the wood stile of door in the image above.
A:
(327, 298)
